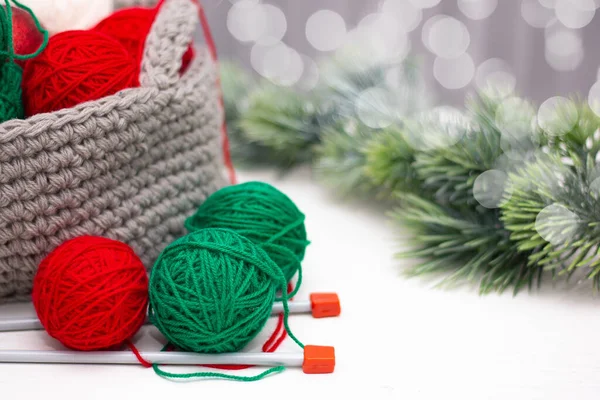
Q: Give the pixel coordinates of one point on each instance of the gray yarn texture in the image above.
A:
(130, 167)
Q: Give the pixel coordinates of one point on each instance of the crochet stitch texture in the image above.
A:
(130, 167)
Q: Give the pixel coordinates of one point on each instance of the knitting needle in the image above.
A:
(31, 323)
(154, 357)
(314, 359)
(321, 305)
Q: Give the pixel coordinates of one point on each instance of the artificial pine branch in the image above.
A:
(341, 158)
(346, 75)
(389, 163)
(347, 157)
(449, 229)
(283, 123)
(554, 209)
(561, 178)
(237, 84)
(428, 163)
(284, 126)
(552, 203)
(582, 139)
(450, 171)
(466, 245)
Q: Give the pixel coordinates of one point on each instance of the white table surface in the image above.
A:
(397, 338)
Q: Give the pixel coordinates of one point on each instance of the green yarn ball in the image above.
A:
(261, 213)
(212, 291)
(11, 104)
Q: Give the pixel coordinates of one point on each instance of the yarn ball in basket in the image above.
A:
(212, 291)
(261, 213)
(11, 105)
(65, 15)
(75, 67)
(130, 26)
(91, 293)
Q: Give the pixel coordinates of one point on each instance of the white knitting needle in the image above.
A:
(31, 323)
(153, 357)
(314, 359)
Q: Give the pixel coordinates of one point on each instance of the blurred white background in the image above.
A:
(542, 48)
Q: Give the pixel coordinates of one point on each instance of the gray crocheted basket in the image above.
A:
(131, 166)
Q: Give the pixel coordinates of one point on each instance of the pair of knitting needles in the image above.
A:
(314, 359)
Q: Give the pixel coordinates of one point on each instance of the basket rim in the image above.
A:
(37, 124)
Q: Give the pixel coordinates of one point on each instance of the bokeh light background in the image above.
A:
(540, 48)
(545, 51)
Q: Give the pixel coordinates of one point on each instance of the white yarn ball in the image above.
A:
(65, 15)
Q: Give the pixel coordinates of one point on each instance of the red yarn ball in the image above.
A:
(130, 26)
(91, 293)
(75, 67)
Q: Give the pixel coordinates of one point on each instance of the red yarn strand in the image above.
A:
(278, 336)
(137, 354)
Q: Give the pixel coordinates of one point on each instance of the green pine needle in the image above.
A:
(466, 246)
(389, 162)
(449, 171)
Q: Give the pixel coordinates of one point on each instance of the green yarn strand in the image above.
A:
(277, 252)
(7, 49)
(263, 214)
(166, 374)
(193, 375)
(286, 314)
